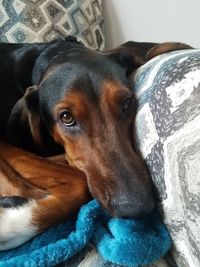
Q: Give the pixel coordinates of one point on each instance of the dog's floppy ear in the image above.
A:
(164, 48)
(24, 124)
(131, 55)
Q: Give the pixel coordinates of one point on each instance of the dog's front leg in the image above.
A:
(35, 194)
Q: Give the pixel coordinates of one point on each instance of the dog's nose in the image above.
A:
(131, 209)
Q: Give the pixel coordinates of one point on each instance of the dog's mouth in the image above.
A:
(124, 205)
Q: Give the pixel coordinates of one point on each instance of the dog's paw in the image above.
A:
(16, 224)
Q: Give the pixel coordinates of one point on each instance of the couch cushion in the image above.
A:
(44, 20)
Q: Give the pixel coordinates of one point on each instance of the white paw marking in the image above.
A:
(16, 225)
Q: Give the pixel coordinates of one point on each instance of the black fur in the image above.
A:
(12, 202)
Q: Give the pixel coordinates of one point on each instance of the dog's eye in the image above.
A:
(127, 104)
(67, 119)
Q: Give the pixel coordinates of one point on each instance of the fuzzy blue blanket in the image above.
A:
(121, 241)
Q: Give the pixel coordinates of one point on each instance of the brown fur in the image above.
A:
(58, 189)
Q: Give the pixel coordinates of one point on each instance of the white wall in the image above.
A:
(152, 21)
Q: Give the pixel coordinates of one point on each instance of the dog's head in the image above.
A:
(85, 102)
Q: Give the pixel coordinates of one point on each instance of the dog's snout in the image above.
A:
(131, 208)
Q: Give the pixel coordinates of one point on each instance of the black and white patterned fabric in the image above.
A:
(44, 20)
(168, 136)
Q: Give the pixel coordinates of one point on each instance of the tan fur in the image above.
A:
(59, 190)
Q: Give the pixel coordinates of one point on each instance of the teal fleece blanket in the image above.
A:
(122, 241)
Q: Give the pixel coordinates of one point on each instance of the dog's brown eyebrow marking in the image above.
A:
(112, 92)
(76, 102)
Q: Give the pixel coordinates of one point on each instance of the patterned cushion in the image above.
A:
(168, 133)
(43, 20)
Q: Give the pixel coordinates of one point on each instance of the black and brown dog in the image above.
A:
(61, 96)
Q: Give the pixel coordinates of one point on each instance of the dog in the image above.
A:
(66, 131)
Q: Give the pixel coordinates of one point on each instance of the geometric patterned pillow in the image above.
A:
(45, 20)
(168, 135)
